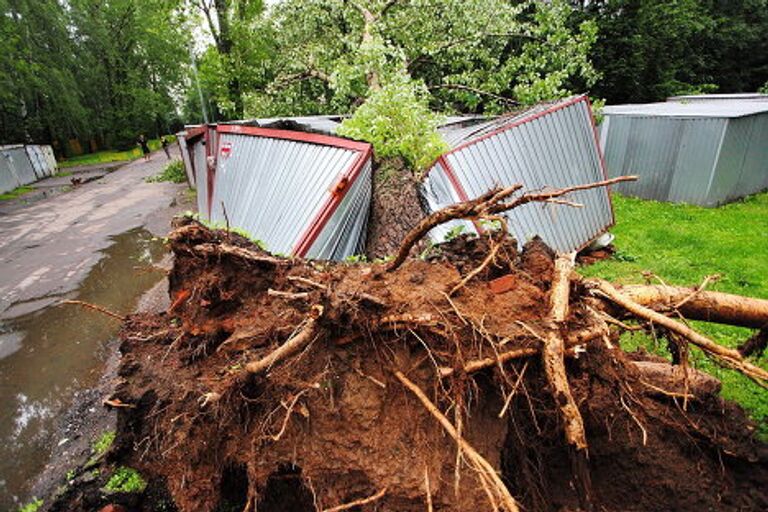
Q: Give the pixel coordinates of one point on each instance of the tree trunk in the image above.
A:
(395, 208)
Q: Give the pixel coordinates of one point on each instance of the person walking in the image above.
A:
(164, 142)
(144, 146)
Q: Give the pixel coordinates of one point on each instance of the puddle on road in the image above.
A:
(47, 355)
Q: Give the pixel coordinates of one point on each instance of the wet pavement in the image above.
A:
(97, 243)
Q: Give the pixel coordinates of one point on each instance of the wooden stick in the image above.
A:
(358, 503)
(726, 356)
(95, 308)
(288, 295)
(553, 353)
(484, 468)
(303, 338)
(492, 202)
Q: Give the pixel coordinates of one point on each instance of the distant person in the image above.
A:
(144, 146)
(165, 144)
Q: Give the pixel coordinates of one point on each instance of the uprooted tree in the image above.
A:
(478, 377)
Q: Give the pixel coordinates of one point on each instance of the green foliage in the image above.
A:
(455, 232)
(173, 172)
(396, 119)
(763, 89)
(125, 479)
(99, 72)
(356, 258)
(682, 244)
(104, 442)
(17, 192)
(649, 50)
(32, 506)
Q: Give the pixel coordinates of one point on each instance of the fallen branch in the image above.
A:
(486, 473)
(358, 503)
(725, 356)
(94, 307)
(295, 344)
(490, 203)
(288, 295)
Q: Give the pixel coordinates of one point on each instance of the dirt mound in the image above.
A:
(337, 417)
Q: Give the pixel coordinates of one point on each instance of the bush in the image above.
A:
(396, 119)
(174, 172)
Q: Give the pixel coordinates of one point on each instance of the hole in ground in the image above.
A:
(234, 489)
(286, 492)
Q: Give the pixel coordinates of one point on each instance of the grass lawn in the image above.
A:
(110, 155)
(682, 244)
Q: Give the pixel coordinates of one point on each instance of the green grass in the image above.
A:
(32, 506)
(682, 244)
(110, 155)
(125, 479)
(173, 172)
(17, 192)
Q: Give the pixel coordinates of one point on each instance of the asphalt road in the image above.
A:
(46, 248)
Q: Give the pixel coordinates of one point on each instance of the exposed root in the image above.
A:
(94, 307)
(491, 203)
(497, 491)
(358, 503)
(725, 356)
(304, 337)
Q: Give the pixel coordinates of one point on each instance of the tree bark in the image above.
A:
(723, 308)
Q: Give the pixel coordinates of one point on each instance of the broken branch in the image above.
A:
(492, 202)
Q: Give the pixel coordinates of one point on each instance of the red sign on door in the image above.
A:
(226, 149)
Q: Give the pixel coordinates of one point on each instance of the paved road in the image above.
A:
(47, 248)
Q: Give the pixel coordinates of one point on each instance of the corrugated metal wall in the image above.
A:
(22, 165)
(551, 147)
(706, 161)
(186, 157)
(299, 193)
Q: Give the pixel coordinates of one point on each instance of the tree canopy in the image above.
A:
(103, 71)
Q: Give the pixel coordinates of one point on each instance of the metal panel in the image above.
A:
(694, 159)
(550, 146)
(8, 178)
(344, 234)
(201, 176)
(19, 162)
(294, 191)
(40, 161)
(186, 157)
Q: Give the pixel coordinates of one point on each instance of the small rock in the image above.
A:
(113, 508)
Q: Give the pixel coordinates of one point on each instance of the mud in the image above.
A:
(332, 424)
